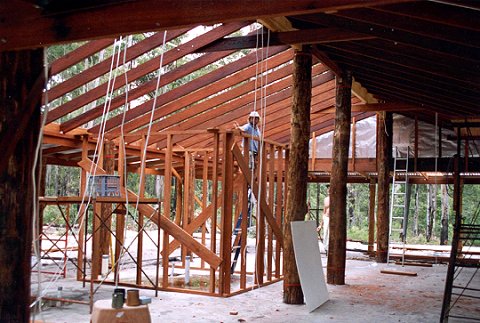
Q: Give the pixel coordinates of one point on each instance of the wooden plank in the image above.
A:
(104, 67)
(401, 273)
(79, 54)
(416, 264)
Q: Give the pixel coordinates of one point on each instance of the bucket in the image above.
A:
(133, 298)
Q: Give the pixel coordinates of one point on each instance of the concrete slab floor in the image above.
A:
(368, 296)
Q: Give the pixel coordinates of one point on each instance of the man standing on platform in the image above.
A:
(251, 128)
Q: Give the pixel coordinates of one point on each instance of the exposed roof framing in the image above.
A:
(58, 21)
(418, 58)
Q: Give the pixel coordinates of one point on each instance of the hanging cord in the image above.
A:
(262, 89)
(124, 161)
(35, 183)
(56, 274)
(144, 154)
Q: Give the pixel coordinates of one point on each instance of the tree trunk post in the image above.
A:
(21, 87)
(384, 134)
(337, 251)
(297, 170)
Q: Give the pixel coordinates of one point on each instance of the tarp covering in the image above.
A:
(403, 136)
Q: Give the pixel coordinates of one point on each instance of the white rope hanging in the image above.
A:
(59, 269)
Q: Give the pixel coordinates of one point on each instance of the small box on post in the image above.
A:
(104, 185)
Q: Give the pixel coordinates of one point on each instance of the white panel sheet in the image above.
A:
(309, 263)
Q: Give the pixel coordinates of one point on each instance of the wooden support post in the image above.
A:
(279, 206)
(337, 251)
(141, 194)
(271, 187)
(245, 220)
(97, 227)
(189, 193)
(297, 170)
(121, 214)
(260, 256)
(19, 126)
(119, 237)
(83, 210)
(178, 201)
(226, 220)
(106, 208)
(371, 217)
(166, 208)
(384, 148)
(213, 228)
(204, 199)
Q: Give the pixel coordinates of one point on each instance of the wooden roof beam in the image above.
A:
(148, 67)
(280, 99)
(190, 88)
(79, 54)
(108, 18)
(104, 66)
(297, 37)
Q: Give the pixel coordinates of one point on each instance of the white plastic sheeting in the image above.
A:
(365, 141)
(403, 136)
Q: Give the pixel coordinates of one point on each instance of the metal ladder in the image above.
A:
(463, 277)
(399, 204)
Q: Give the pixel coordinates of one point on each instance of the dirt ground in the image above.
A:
(368, 296)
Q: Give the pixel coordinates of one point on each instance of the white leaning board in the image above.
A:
(309, 263)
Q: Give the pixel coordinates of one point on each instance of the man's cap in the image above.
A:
(254, 114)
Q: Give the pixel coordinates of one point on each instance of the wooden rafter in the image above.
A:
(297, 37)
(190, 88)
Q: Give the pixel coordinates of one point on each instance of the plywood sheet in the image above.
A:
(309, 263)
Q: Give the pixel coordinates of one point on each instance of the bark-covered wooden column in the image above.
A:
(384, 149)
(337, 251)
(297, 170)
(20, 93)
